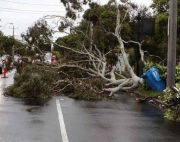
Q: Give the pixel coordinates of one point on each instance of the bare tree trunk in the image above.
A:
(91, 36)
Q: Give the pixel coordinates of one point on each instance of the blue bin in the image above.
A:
(152, 77)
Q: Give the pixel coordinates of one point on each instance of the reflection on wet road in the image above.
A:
(117, 121)
(27, 120)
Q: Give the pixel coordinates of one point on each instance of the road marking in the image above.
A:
(61, 122)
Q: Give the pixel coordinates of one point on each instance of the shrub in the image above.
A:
(88, 89)
(33, 82)
(170, 97)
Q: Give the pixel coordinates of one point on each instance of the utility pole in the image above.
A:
(13, 38)
(13, 29)
(138, 39)
(172, 38)
(91, 36)
(13, 44)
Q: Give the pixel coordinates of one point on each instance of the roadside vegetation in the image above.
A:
(170, 97)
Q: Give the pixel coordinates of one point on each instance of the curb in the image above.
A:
(140, 97)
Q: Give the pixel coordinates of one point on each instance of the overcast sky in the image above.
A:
(23, 13)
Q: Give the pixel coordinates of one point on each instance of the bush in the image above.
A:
(171, 98)
(88, 90)
(33, 82)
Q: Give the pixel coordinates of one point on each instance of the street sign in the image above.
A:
(47, 47)
(148, 26)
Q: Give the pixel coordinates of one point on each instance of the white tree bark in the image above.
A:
(98, 63)
(134, 81)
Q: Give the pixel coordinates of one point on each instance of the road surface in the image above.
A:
(62, 119)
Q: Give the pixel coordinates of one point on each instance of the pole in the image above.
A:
(13, 30)
(91, 36)
(138, 39)
(13, 38)
(13, 46)
(172, 37)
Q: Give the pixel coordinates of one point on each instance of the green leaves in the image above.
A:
(33, 82)
(32, 35)
(160, 6)
(108, 20)
(171, 113)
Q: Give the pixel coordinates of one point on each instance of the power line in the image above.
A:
(28, 3)
(22, 12)
(26, 10)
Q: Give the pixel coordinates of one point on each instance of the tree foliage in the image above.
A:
(172, 99)
(104, 23)
(37, 34)
(8, 44)
(33, 82)
(72, 6)
(160, 41)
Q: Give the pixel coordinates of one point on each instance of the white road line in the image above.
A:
(61, 122)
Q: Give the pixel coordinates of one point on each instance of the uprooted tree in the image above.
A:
(88, 71)
(95, 63)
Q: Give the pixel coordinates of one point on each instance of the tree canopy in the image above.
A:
(160, 41)
(37, 34)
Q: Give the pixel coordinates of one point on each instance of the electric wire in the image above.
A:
(29, 3)
(26, 10)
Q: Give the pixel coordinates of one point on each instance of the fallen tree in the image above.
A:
(96, 61)
(89, 74)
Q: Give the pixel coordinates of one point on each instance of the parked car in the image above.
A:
(1, 65)
(48, 58)
(1, 62)
(55, 59)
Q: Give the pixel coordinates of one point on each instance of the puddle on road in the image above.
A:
(35, 106)
(34, 102)
(34, 110)
(37, 122)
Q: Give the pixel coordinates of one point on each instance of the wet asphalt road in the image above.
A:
(22, 121)
(108, 121)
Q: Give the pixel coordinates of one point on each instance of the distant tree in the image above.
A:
(36, 34)
(6, 44)
(1, 33)
(72, 6)
(160, 41)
